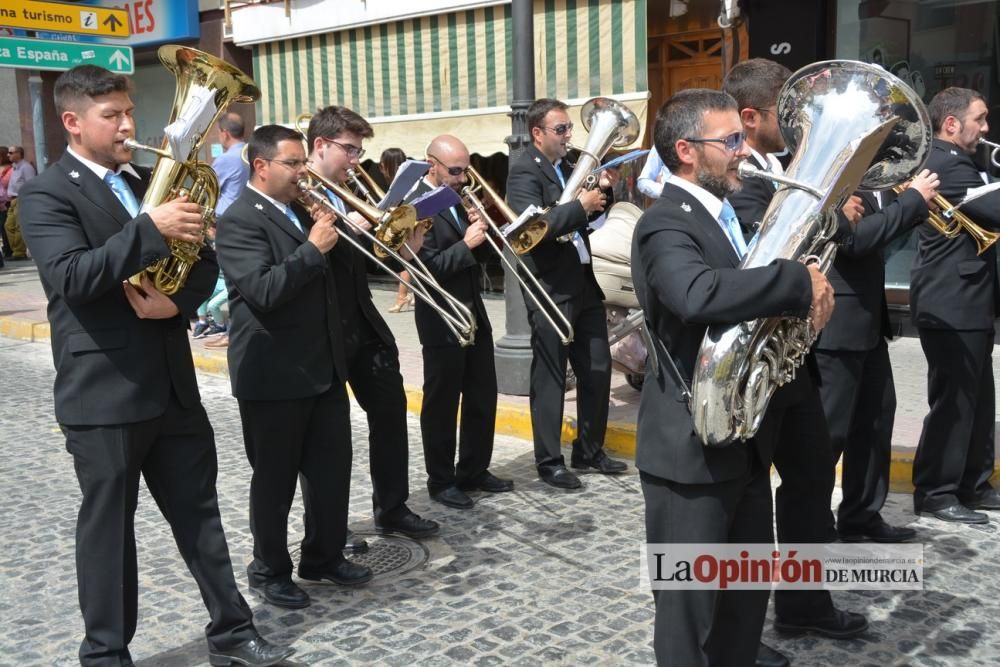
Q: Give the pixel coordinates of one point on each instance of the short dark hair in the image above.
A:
(951, 101)
(232, 123)
(540, 108)
(265, 139)
(755, 83)
(86, 82)
(330, 121)
(683, 116)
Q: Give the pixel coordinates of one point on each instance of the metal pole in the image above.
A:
(513, 350)
(38, 121)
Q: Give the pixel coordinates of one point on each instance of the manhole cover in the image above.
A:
(390, 556)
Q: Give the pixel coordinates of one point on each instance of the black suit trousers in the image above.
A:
(452, 373)
(308, 438)
(805, 463)
(590, 357)
(378, 387)
(954, 457)
(859, 399)
(175, 454)
(700, 628)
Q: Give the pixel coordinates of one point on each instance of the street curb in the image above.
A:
(511, 420)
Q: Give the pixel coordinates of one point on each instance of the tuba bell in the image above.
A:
(206, 86)
(848, 124)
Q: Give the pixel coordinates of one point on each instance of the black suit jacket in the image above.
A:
(950, 286)
(751, 202)
(457, 268)
(861, 315)
(349, 264)
(285, 332)
(686, 278)
(111, 366)
(532, 179)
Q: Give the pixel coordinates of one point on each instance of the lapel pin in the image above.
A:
(74, 174)
(258, 207)
(538, 159)
(686, 207)
(954, 152)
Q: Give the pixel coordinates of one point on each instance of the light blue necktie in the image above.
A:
(731, 225)
(458, 220)
(123, 192)
(337, 201)
(562, 181)
(294, 218)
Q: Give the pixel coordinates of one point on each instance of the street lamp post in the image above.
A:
(513, 350)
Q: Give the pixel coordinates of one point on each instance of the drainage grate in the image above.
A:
(390, 556)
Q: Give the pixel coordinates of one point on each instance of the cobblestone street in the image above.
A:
(533, 577)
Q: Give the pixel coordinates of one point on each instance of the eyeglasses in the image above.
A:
(731, 142)
(765, 109)
(353, 152)
(452, 171)
(291, 164)
(561, 128)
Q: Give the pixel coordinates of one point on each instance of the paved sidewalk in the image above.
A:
(22, 316)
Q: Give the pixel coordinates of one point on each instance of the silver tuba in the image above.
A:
(848, 125)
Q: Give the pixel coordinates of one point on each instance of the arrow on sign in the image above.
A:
(113, 23)
(119, 60)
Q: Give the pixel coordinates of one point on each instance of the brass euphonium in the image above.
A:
(848, 125)
(206, 86)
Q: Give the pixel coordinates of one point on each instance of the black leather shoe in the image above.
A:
(601, 462)
(453, 496)
(768, 657)
(985, 501)
(559, 477)
(257, 652)
(958, 513)
(839, 625)
(281, 593)
(490, 483)
(878, 532)
(345, 573)
(355, 544)
(410, 525)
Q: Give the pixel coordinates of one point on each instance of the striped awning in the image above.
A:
(416, 78)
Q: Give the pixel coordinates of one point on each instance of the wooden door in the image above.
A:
(680, 61)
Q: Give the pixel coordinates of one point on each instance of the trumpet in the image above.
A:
(528, 235)
(993, 153)
(951, 222)
(459, 318)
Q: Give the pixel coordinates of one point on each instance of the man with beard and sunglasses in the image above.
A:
(685, 265)
(565, 271)
(803, 454)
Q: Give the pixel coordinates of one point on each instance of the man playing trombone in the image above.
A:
(452, 251)
(288, 367)
(334, 138)
(538, 177)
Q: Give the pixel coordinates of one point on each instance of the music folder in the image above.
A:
(407, 176)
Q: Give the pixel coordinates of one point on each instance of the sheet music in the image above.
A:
(407, 176)
(193, 121)
(439, 199)
(529, 213)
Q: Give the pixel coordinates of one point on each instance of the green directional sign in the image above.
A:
(54, 55)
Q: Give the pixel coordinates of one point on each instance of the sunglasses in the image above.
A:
(452, 171)
(731, 142)
(561, 128)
